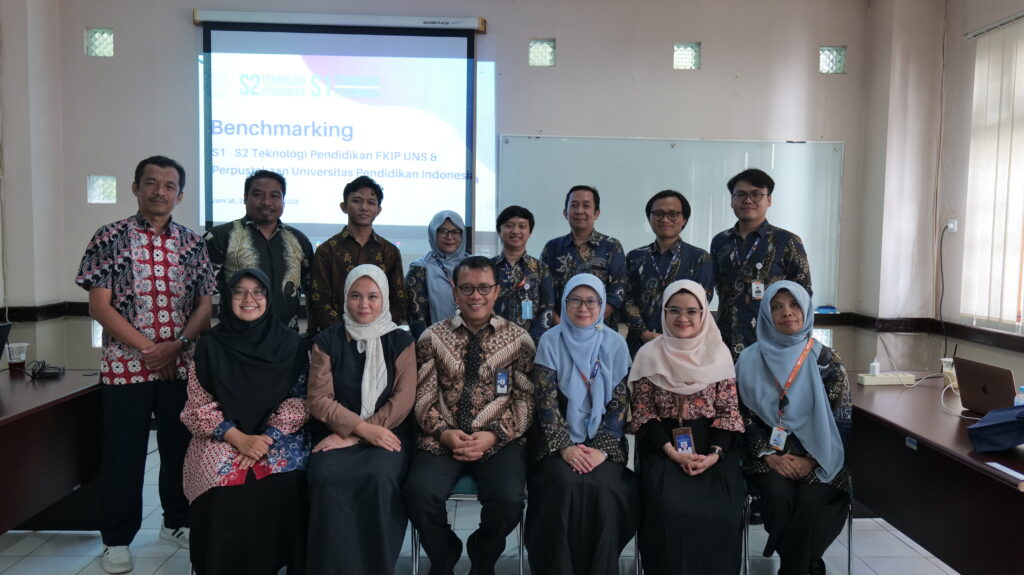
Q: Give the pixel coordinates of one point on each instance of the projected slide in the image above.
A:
(398, 115)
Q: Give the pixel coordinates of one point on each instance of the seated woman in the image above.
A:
(687, 419)
(429, 281)
(797, 408)
(246, 409)
(584, 504)
(362, 385)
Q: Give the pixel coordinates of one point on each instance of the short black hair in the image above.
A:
(259, 174)
(161, 162)
(669, 194)
(474, 263)
(515, 212)
(754, 177)
(591, 189)
(360, 183)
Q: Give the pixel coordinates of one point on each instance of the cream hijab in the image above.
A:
(685, 366)
(367, 337)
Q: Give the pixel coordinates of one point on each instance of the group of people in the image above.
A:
(314, 452)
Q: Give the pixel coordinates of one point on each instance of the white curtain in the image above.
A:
(993, 271)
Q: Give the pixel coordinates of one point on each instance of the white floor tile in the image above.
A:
(21, 543)
(879, 543)
(52, 565)
(143, 566)
(467, 516)
(764, 565)
(945, 568)
(903, 566)
(150, 495)
(72, 543)
(148, 544)
(152, 476)
(885, 524)
(837, 565)
(154, 520)
(6, 562)
(175, 566)
(913, 545)
(860, 523)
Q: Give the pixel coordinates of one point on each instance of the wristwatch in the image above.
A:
(186, 342)
(717, 450)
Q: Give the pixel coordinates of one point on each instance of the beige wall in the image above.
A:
(66, 116)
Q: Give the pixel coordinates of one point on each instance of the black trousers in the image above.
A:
(802, 520)
(501, 481)
(126, 416)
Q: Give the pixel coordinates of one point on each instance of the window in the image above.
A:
(832, 59)
(686, 56)
(542, 53)
(99, 42)
(993, 274)
(102, 190)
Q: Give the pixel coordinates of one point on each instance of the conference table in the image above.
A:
(913, 465)
(50, 440)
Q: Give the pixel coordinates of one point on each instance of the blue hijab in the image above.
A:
(440, 266)
(808, 414)
(571, 350)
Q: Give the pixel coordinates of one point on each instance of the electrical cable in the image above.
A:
(942, 293)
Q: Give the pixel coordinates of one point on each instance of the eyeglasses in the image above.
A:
(752, 196)
(574, 301)
(258, 294)
(662, 214)
(444, 233)
(482, 289)
(691, 313)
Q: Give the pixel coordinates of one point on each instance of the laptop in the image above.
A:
(983, 387)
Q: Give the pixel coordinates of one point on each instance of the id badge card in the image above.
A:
(757, 290)
(501, 382)
(778, 438)
(683, 439)
(527, 309)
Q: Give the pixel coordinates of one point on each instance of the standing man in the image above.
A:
(354, 245)
(585, 250)
(474, 403)
(653, 267)
(261, 240)
(527, 296)
(149, 282)
(750, 256)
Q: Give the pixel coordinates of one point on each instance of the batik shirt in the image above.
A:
(286, 258)
(210, 460)
(154, 281)
(527, 280)
(551, 407)
(334, 259)
(837, 390)
(768, 254)
(650, 272)
(454, 391)
(601, 256)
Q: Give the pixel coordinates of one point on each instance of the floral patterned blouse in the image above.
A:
(657, 410)
(209, 461)
(551, 405)
(837, 389)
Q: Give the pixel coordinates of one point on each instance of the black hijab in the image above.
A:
(249, 366)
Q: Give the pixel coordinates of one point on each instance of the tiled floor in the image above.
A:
(879, 549)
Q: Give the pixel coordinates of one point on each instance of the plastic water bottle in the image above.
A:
(1019, 398)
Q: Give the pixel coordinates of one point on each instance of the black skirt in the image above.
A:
(357, 518)
(579, 524)
(254, 528)
(691, 524)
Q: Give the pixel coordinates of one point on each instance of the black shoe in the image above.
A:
(448, 568)
(817, 567)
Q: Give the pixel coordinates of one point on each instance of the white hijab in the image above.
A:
(367, 336)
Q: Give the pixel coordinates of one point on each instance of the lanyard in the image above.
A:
(593, 374)
(792, 377)
(671, 264)
(736, 251)
(444, 270)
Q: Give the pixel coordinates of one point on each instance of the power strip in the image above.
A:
(886, 378)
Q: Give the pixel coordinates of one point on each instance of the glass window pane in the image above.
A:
(102, 190)
(99, 42)
(832, 59)
(542, 52)
(686, 56)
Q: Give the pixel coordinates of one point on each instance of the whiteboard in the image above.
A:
(537, 171)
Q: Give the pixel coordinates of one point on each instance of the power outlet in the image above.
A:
(952, 226)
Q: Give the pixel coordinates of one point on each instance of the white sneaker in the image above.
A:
(178, 535)
(117, 559)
